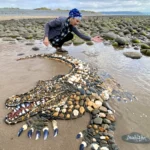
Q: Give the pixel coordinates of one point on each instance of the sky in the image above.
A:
(91, 5)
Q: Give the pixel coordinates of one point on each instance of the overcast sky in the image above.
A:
(93, 5)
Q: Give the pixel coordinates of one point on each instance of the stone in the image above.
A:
(95, 126)
(145, 52)
(105, 95)
(35, 48)
(102, 115)
(82, 110)
(95, 111)
(30, 43)
(64, 110)
(88, 92)
(69, 102)
(89, 43)
(68, 116)
(61, 115)
(90, 103)
(98, 103)
(101, 129)
(110, 36)
(133, 55)
(103, 109)
(55, 114)
(90, 108)
(98, 121)
(111, 117)
(77, 106)
(81, 102)
(20, 54)
(77, 98)
(104, 148)
(135, 137)
(121, 41)
(82, 91)
(105, 126)
(69, 110)
(107, 121)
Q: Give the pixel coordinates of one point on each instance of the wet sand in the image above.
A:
(20, 76)
(24, 17)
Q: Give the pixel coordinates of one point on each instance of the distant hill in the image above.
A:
(122, 13)
(42, 8)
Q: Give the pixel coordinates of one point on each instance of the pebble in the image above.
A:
(98, 103)
(102, 115)
(104, 148)
(95, 111)
(111, 117)
(104, 109)
(98, 121)
(82, 110)
(55, 114)
(68, 116)
(35, 48)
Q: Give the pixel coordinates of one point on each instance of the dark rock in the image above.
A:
(35, 48)
(145, 52)
(121, 41)
(82, 102)
(30, 43)
(144, 46)
(95, 111)
(20, 54)
(109, 36)
(82, 91)
(135, 137)
(92, 89)
(88, 92)
(89, 43)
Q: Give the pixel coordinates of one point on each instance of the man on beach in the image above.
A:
(58, 31)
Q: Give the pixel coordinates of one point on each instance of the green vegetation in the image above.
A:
(10, 8)
(42, 8)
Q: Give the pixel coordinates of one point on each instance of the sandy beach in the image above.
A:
(20, 76)
(24, 17)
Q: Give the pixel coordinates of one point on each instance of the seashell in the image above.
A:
(63, 110)
(75, 112)
(104, 148)
(98, 103)
(65, 106)
(105, 95)
(102, 137)
(94, 146)
(57, 109)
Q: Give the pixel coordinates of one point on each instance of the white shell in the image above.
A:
(75, 112)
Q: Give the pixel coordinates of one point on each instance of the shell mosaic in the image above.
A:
(68, 97)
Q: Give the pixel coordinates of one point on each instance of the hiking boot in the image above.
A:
(60, 50)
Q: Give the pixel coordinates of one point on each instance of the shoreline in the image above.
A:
(24, 17)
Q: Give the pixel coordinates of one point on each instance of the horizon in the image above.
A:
(67, 9)
(86, 5)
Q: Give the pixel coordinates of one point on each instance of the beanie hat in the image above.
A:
(74, 13)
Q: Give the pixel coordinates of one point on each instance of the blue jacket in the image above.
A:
(55, 26)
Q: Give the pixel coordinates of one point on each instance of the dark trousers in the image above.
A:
(67, 38)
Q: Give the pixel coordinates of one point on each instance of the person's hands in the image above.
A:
(46, 41)
(97, 39)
